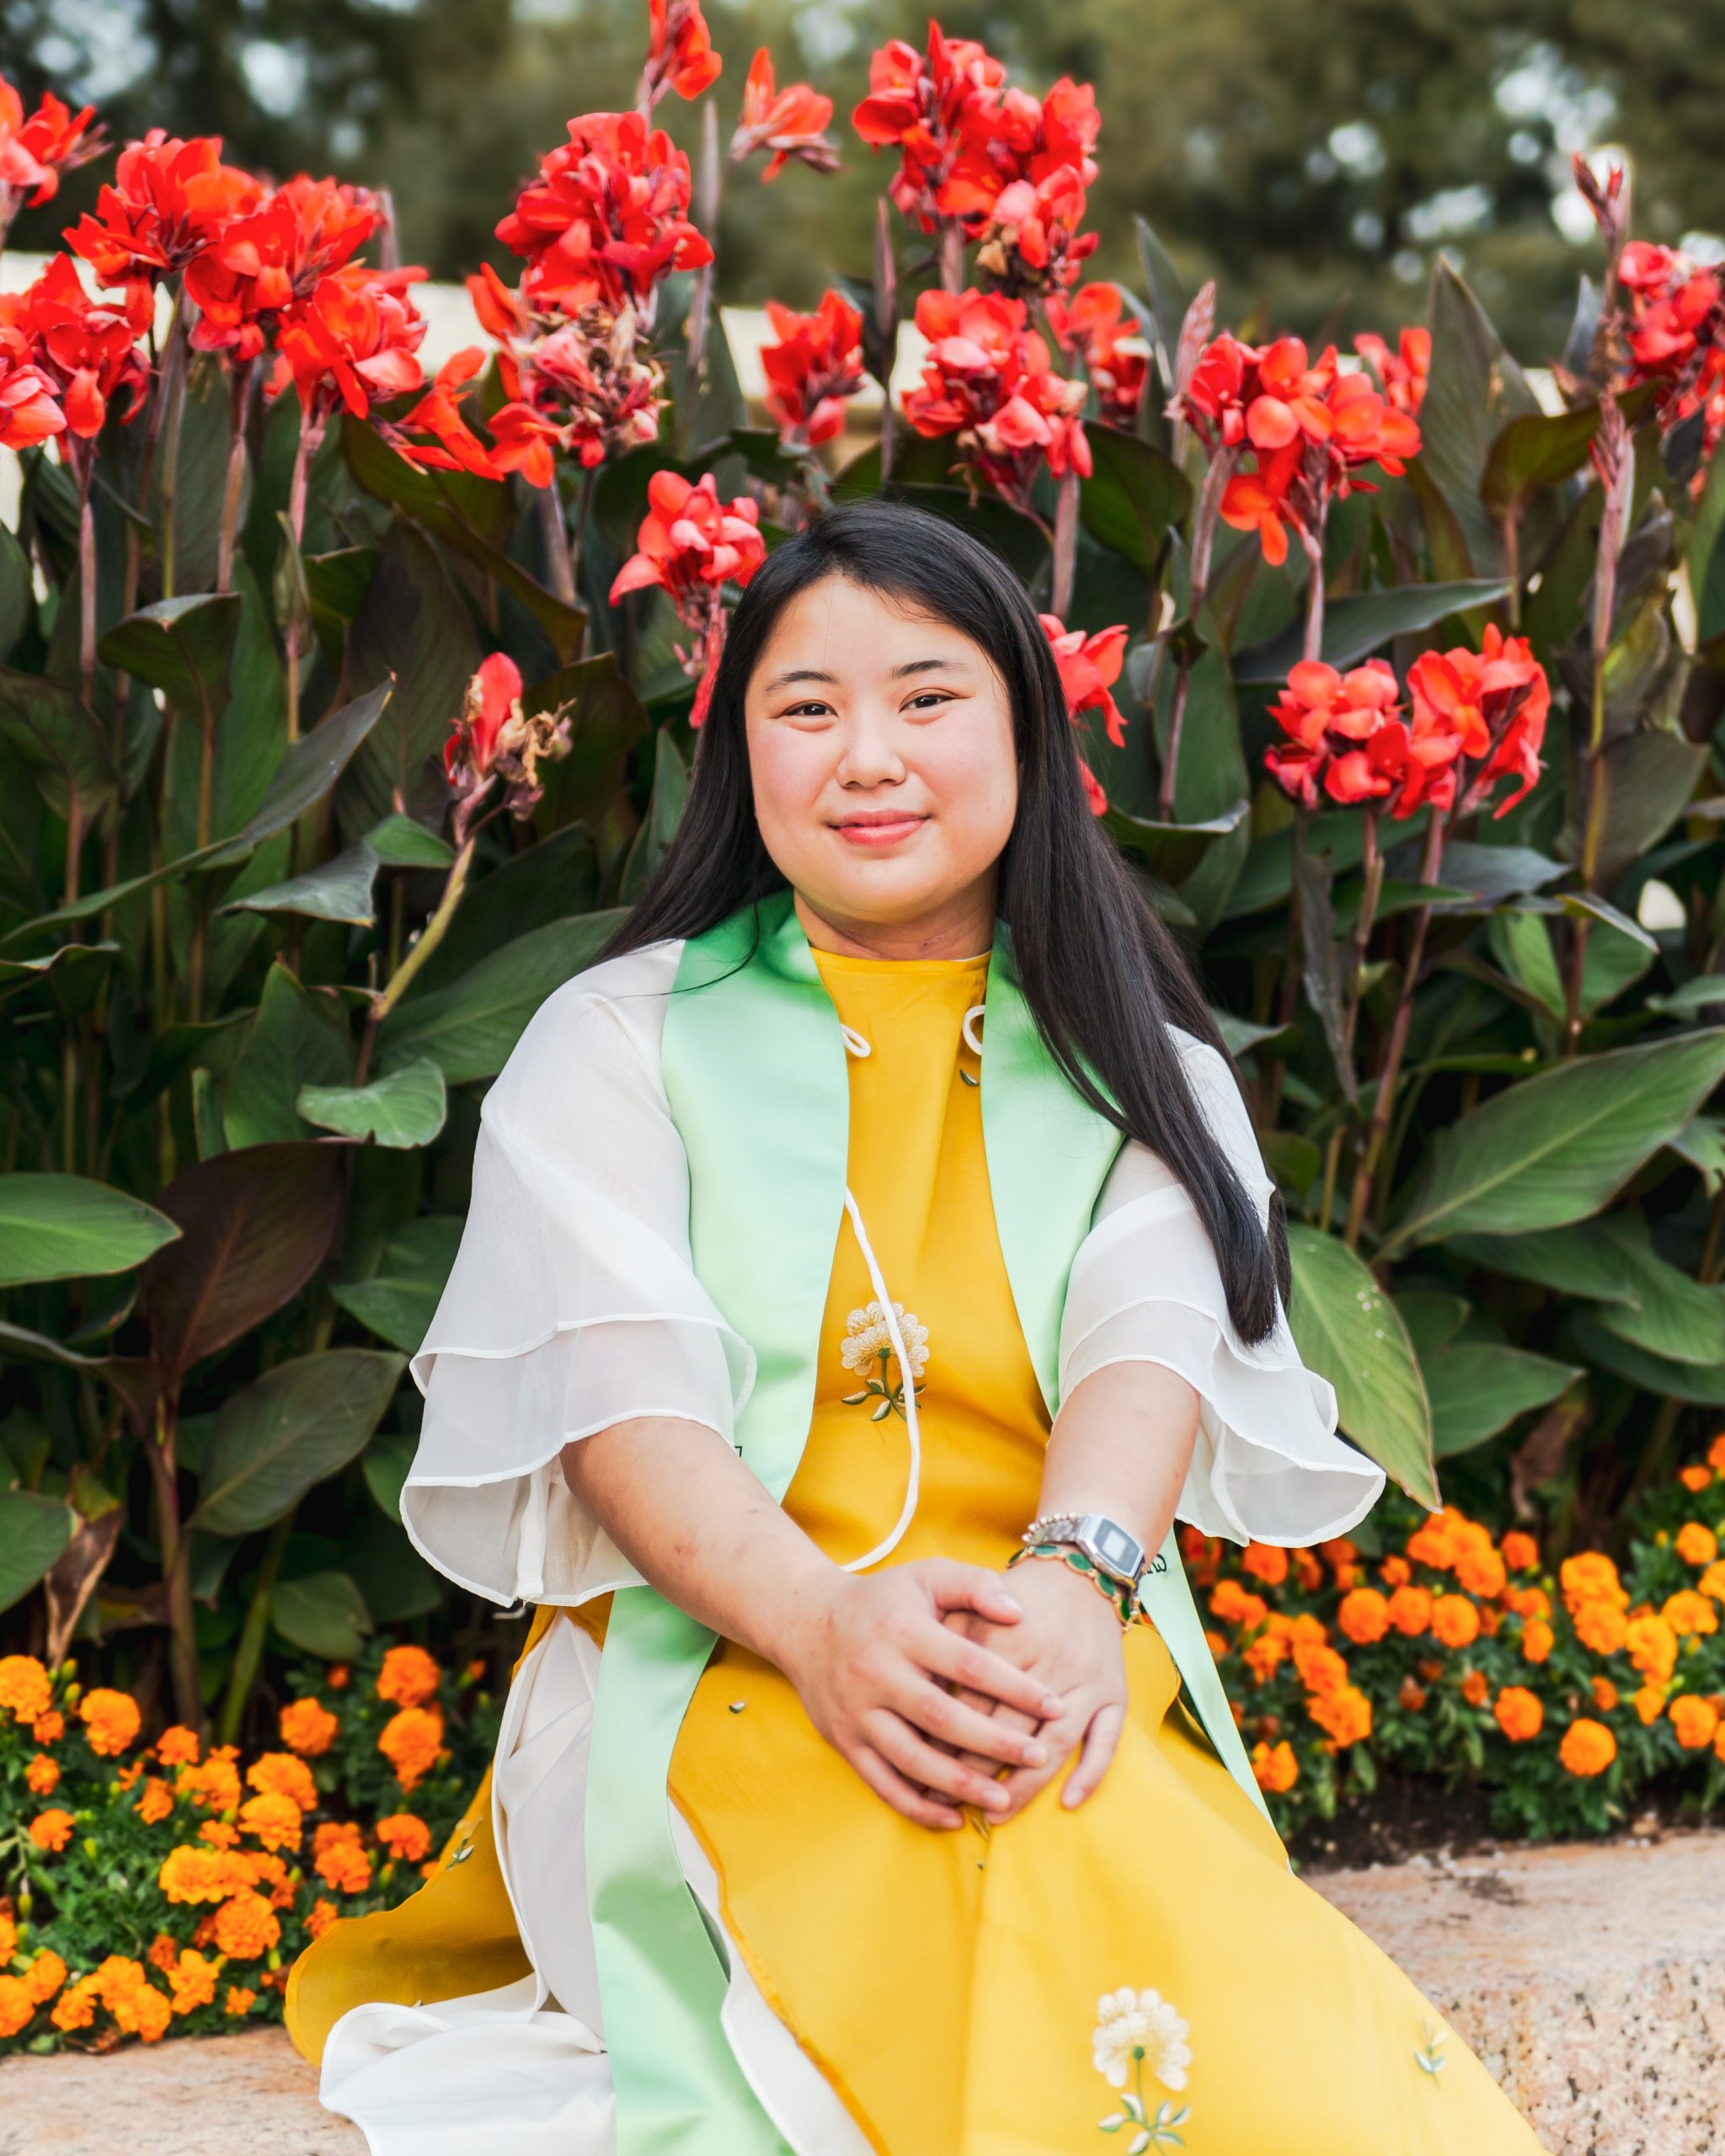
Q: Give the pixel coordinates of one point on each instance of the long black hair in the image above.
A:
(1100, 972)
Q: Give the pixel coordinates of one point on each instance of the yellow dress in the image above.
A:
(1142, 1973)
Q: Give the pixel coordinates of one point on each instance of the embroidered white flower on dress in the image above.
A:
(866, 1350)
(1140, 2025)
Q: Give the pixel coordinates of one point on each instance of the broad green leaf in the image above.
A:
(1363, 623)
(1474, 390)
(400, 842)
(671, 790)
(1649, 779)
(1701, 1383)
(298, 1423)
(554, 879)
(1707, 558)
(34, 1532)
(1169, 298)
(337, 889)
(54, 733)
(1133, 496)
(1692, 998)
(1241, 1037)
(18, 601)
(1672, 1316)
(1433, 1320)
(606, 718)
(469, 1029)
(399, 1585)
(68, 1227)
(1349, 1331)
(385, 1461)
(1171, 851)
(405, 1109)
(1558, 1147)
(1573, 1261)
(1540, 449)
(324, 1612)
(180, 646)
(299, 1038)
(399, 1299)
(1489, 873)
(1701, 1143)
(81, 962)
(1478, 1389)
(135, 1379)
(1614, 961)
(1211, 779)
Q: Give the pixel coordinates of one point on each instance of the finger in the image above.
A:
(1101, 1742)
(938, 1716)
(1060, 1738)
(902, 1795)
(979, 1669)
(954, 1586)
(938, 1772)
(1012, 1719)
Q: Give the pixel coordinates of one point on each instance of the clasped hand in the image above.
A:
(933, 1677)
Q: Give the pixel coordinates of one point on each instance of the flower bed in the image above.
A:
(166, 1888)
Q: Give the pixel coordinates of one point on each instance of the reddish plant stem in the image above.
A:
(952, 255)
(1065, 550)
(233, 486)
(1204, 535)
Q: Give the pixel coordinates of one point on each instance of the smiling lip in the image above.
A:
(878, 827)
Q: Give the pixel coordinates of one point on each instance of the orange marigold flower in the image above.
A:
(1649, 1703)
(1696, 1721)
(163, 1952)
(1455, 1620)
(1601, 1627)
(16, 2005)
(239, 2000)
(324, 1914)
(1265, 1562)
(344, 1866)
(1482, 1571)
(1696, 1544)
(1474, 1688)
(75, 2006)
(1310, 1573)
(178, 1747)
(1695, 1479)
(1538, 1639)
(404, 1836)
(1604, 1695)
(275, 1820)
(192, 1980)
(44, 1975)
(1276, 1767)
(1321, 1669)
(219, 1833)
(409, 1677)
(1589, 1747)
(279, 1774)
(1433, 1541)
(42, 1775)
(215, 1786)
(308, 1728)
(52, 1830)
(1412, 1696)
(335, 1830)
(23, 1686)
(1364, 1615)
(1521, 1553)
(156, 1802)
(1591, 1576)
(1410, 1610)
(411, 1742)
(246, 1926)
(1520, 1713)
(1236, 1605)
(1262, 1656)
(1394, 1571)
(1653, 1645)
(1687, 1612)
(112, 1720)
(49, 1728)
(1712, 1581)
(1527, 1601)
(1716, 1454)
(1345, 1714)
(191, 1874)
(337, 1676)
(117, 1979)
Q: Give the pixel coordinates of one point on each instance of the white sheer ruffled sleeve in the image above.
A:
(1145, 1287)
(573, 1305)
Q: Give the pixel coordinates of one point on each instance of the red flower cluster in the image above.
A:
(680, 54)
(790, 123)
(987, 380)
(1676, 333)
(691, 545)
(35, 152)
(1402, 374)
(1011, 167)
(492, 740)
(606, 217)
(29, 411)
(580, 383)
(1475, 718)
(353, 342)
(816, 364)
(1089, 666)
(168, 200)
(1090, 325)
(1310, 427)
(84, 350)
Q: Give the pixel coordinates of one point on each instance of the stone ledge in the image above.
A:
(1591, 1980)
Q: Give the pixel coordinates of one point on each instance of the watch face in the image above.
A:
(1116, 1547)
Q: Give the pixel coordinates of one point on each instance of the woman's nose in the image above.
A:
(870, 754)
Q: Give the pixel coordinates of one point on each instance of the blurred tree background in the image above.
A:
(1296, 152)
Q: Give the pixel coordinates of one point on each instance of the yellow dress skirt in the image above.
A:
(1141, 1973)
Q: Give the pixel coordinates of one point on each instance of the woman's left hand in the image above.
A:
(1070, 1639)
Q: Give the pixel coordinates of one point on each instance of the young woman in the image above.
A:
(869, 1260)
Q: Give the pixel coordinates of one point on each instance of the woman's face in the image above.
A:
(886, 777)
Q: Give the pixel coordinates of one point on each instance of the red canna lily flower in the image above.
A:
(30, 412)
(168, 200)
(690, 544)
(918, 106)
(790, 123)
(35, 152)
(680, 55)
(816, 364)
(1333, 722)
(1402, 374)
(1027, 163)
(1259, 501)
(1494, 703)
(453, 446)
(494, 741)
(605, 218)
(987, 381)
(1089, 324)
(88, 349)
(353, 342)
(1675, 334)
(584, 387)
(256, 266)
(1089, 666)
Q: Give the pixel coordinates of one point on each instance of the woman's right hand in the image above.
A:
(872, 1657)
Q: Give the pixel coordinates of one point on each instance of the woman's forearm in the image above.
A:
(1121, 1444)
(702, 1528)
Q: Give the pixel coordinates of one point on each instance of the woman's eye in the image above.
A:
(930, 699)
(813, 710)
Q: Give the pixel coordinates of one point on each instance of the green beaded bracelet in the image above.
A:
(1123, 1599)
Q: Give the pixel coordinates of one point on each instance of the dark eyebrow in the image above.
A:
(910, 666)
(800, 674)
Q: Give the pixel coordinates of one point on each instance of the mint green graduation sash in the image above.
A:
(755, 1075)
